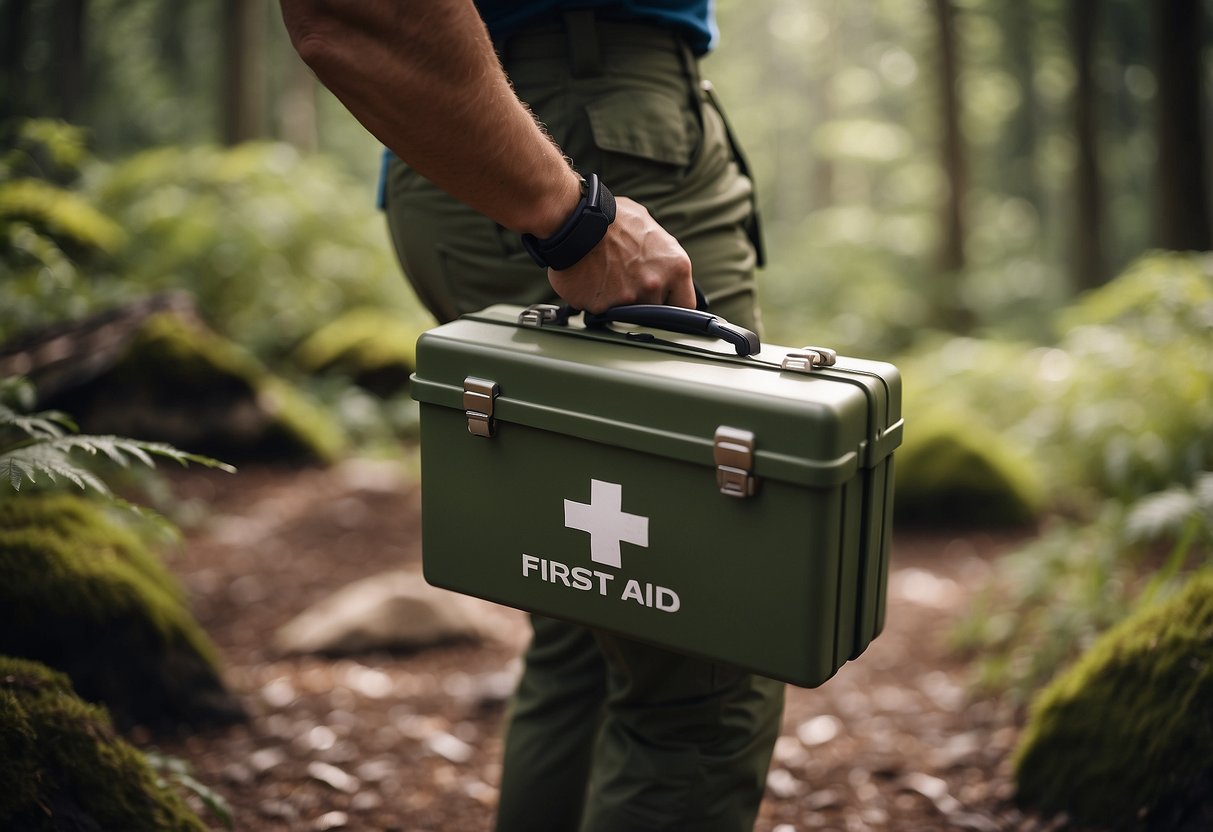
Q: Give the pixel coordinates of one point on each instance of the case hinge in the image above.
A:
(805, 359)
(478, 397)
(733, 451)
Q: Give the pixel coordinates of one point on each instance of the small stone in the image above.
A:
(264, 759)
(819, 730)
(782, 784)
(449, 747)
(332, 776)
(331, 820)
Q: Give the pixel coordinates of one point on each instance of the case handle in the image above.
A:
(678, 319)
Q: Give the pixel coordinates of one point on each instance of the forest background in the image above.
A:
(1008, 198)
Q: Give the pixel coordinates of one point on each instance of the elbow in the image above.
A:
(313, 33)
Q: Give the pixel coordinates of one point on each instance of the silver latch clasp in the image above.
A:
(538, 314)
(807, 358)
(478, 398)
(733, 452)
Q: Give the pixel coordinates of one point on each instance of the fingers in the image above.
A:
(636, 262)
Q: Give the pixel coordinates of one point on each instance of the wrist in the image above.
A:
(580, 232)
(556, 207)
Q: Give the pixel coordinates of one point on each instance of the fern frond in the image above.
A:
(123, 450)
(48, 424)
(32, 461)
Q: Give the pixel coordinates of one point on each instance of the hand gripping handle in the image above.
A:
(678, 319)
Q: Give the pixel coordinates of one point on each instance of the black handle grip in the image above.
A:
(678, 319)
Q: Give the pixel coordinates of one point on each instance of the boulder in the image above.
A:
(83, 595)
(153, 370)
(64, 768)
(1125, 738)
(952, 472)
(393, 611)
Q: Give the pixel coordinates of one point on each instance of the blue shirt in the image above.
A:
(696, 19)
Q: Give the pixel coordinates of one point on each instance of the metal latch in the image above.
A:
(733, 452)
(478, 396)
(807, 358)
(538, 314)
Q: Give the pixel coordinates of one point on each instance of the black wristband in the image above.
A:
(583, 230)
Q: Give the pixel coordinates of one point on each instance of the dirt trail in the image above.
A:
(411, 742)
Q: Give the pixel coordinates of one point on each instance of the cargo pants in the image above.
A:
(606, 734)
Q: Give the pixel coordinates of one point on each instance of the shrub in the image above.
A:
(273, 245)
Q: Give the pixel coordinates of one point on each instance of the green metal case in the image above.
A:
(660, 487)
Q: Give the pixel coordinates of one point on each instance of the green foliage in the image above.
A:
(63, 766)
(41, 444)
(177, 773)
(1126, 736)
(1121, 406)
(273, 244)
(951, 471)
(49, 232)
(1055, 596)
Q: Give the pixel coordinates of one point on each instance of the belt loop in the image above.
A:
(585, 56)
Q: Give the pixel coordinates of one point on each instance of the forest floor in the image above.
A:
(411, 742)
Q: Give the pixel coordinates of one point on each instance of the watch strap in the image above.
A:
(583, 229)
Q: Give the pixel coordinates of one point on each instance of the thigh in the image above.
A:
(457, 261)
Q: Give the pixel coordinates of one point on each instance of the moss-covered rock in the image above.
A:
(181, 383)
(69, 518)
(77, 602)
(374, 348)
(952, 471)
(1125, 738)
(63, 768)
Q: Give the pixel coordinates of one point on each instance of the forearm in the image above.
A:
(422, 77)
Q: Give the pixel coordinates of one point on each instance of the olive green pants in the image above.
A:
(606, 733)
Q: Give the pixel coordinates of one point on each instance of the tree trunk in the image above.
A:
(69, 45)
(1019, 144)
(1183, 198)
(243, 27)
(952, 251)
(949, 310)
(1088, 262)
(14, 34)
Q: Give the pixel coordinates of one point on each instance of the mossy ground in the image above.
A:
(82, 595)
(1125, 738)
(63, 768)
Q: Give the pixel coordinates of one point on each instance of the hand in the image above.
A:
(636, 262)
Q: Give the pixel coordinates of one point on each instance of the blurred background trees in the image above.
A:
(1009, 198)
(980, 161)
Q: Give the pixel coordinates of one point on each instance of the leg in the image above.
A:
(555, 717)
(685, 745)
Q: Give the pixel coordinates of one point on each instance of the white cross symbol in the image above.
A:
(606, 522)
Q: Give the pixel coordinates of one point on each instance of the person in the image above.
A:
(604, 733)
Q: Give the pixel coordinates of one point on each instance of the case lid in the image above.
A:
(668, 395)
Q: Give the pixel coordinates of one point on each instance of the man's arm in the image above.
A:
(422, 77)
